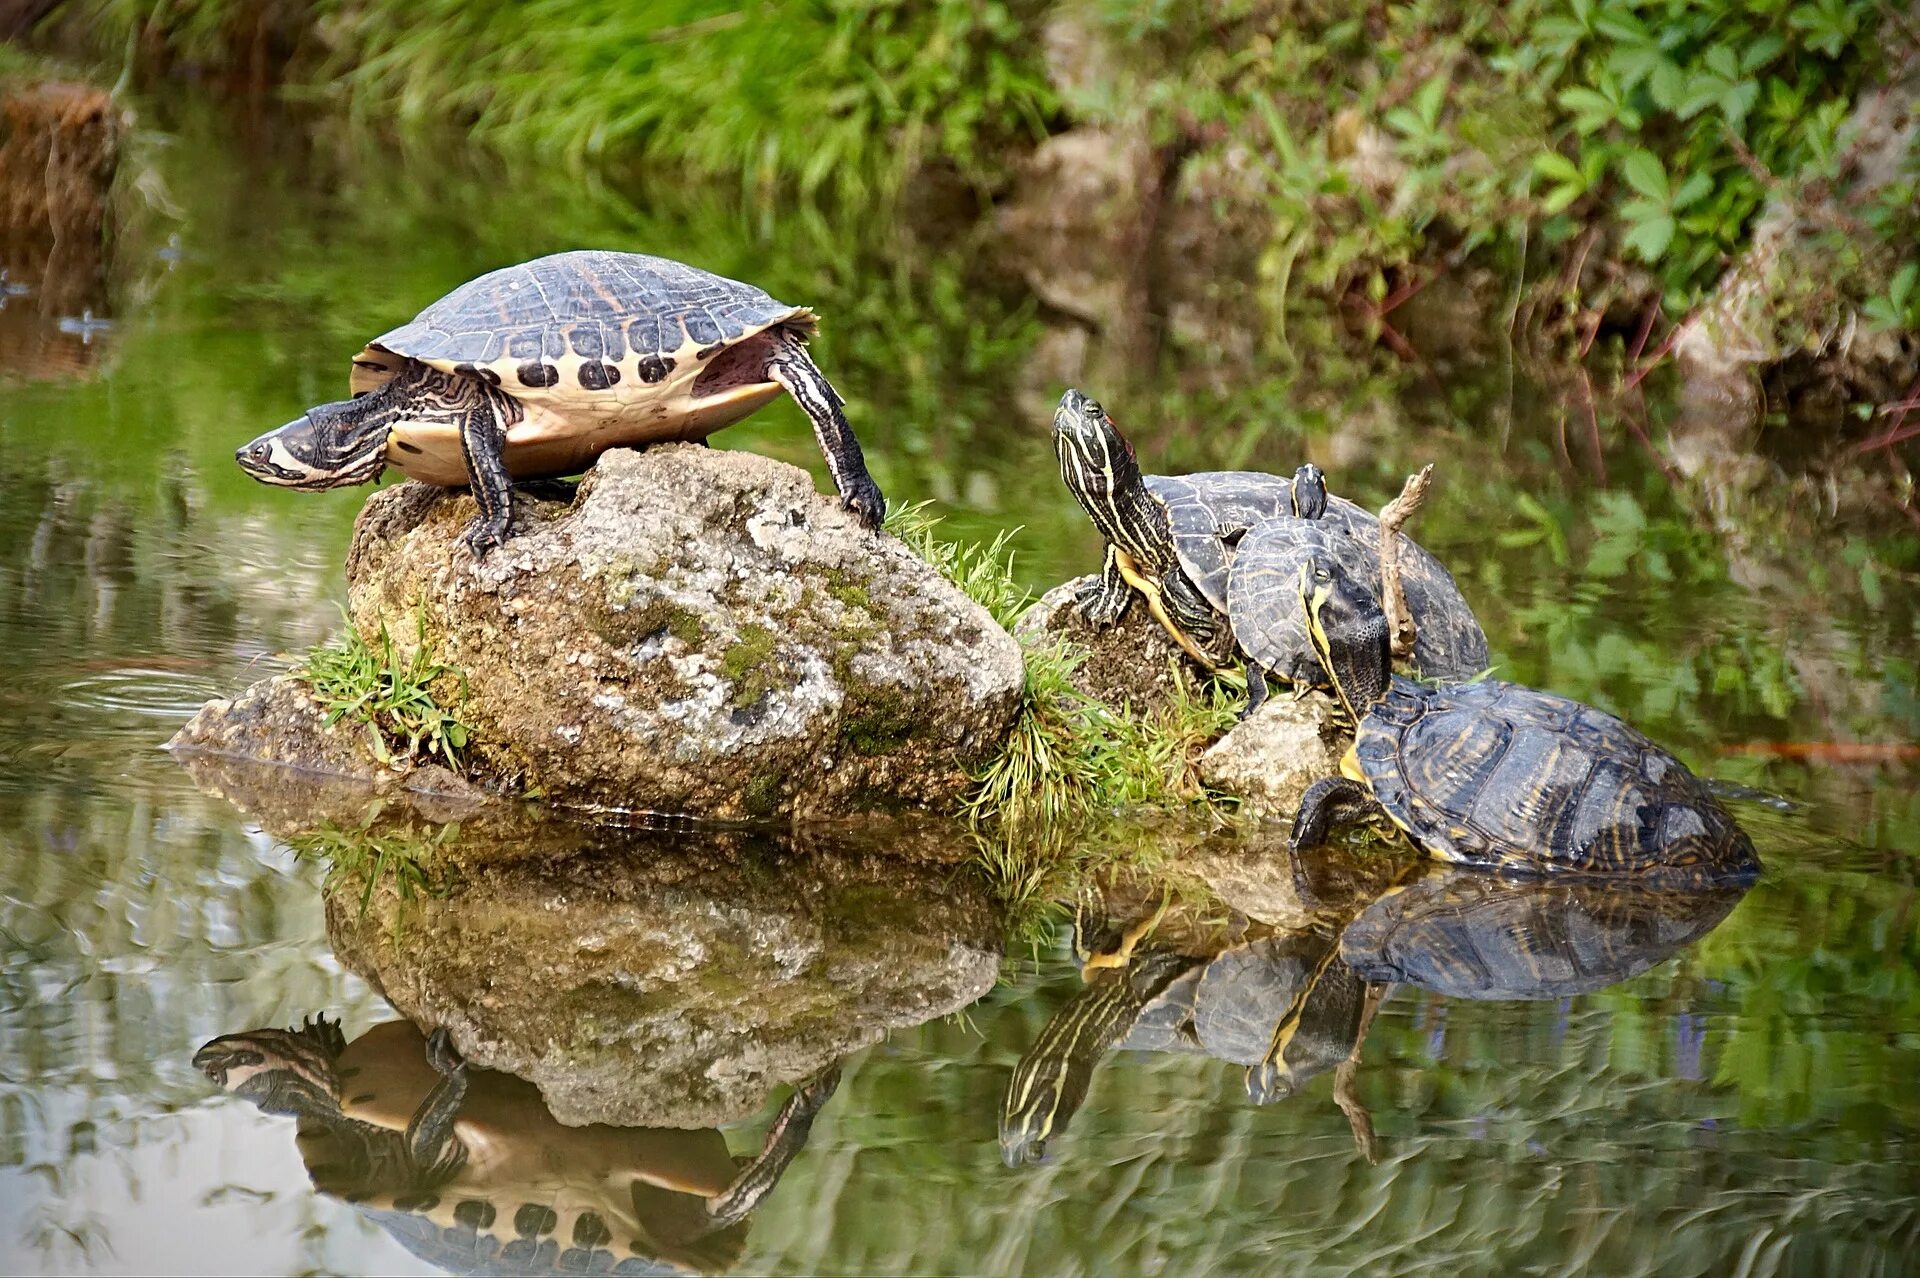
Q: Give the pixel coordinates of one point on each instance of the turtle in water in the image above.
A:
(1175, 540)
(469, 1170)
(1498, 775)
(533, 371)
(1480, 936)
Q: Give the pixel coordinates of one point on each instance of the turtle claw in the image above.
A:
(862, 496)
(483, 535)
(442, 1054)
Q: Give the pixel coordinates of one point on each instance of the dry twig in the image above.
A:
(1392, 598)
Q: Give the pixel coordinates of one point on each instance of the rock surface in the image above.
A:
(674, 981)
(1271, 757)
(697, 631)
(1130, 664)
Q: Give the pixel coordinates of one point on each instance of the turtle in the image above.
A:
(469, 1170)
(1499, 775)
(1174, 540)
(532, 371)
(1270, 626)
(1470, 935)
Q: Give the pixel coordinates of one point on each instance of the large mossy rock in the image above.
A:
(695, 631)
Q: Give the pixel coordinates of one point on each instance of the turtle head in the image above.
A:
(1096, 460)
(277, 1068)
(1309, 492)
(1349, 633)
(331, 446)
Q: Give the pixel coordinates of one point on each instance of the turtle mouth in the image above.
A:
(271, 459)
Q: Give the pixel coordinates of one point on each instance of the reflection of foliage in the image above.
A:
(367, 857)
(393, 696)
(1069, 756)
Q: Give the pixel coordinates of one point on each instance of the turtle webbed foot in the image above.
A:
(862, 496)
(484, 534)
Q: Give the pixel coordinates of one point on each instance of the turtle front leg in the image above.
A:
(433, 1151)
(1256, 690)
(785, 1139)
(1102, 603)
(794, 369)
(1327, 803)
(483, 445)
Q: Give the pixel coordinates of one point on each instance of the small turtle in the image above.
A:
(533, 371)
(1176, 539)
(1478, 936)
(1270, 625)
(1498, 775)
(469, 1170)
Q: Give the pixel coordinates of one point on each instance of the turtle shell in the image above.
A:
(1247, 990)
(601, 349)
(1496, 774)
(1270, 623)
(1477, 936)
(1200, 507)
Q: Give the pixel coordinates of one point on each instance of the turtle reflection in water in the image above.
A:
(1477, 936)
(1283, 1005)
(1291, 1006)
(469, 1171)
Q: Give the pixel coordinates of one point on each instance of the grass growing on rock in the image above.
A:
(366, 858)
(1070, 757)
(398, 699)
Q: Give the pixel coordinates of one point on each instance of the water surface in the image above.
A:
(1747, 1102)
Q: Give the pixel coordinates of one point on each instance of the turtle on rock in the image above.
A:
(533, 371)
(1501, 776)
(1177, 541)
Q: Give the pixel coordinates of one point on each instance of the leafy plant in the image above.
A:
(393, 696)
(367, 858)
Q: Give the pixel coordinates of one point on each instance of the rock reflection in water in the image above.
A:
(1292, 996)
(671, 979)
(468, 1169)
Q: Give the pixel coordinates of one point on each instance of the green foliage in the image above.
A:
(394, 696)
(838, 96)
(1070, 757)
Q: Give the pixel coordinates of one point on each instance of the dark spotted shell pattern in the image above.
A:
(1477, 936)
(599, 306)
(1499, 775)
(1450, 645)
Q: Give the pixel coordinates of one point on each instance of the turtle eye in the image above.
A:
(1094, 409)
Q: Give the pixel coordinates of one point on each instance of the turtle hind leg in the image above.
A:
(794, 369)
(483, 446)
(1329, 802)
(785, 1139)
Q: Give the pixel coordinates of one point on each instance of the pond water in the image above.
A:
(1695, 1094)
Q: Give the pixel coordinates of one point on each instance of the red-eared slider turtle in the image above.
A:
(534, 370)
(1498, 775)
(1173, 540)
(468, 1169)
(1479, 936)
(1270, 625)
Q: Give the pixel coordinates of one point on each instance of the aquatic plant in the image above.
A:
(394, 696)
(1070, 756)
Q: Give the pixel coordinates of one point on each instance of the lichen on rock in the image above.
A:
(695, 631)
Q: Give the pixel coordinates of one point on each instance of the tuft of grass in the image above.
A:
(1070, 757)
(395, 698)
